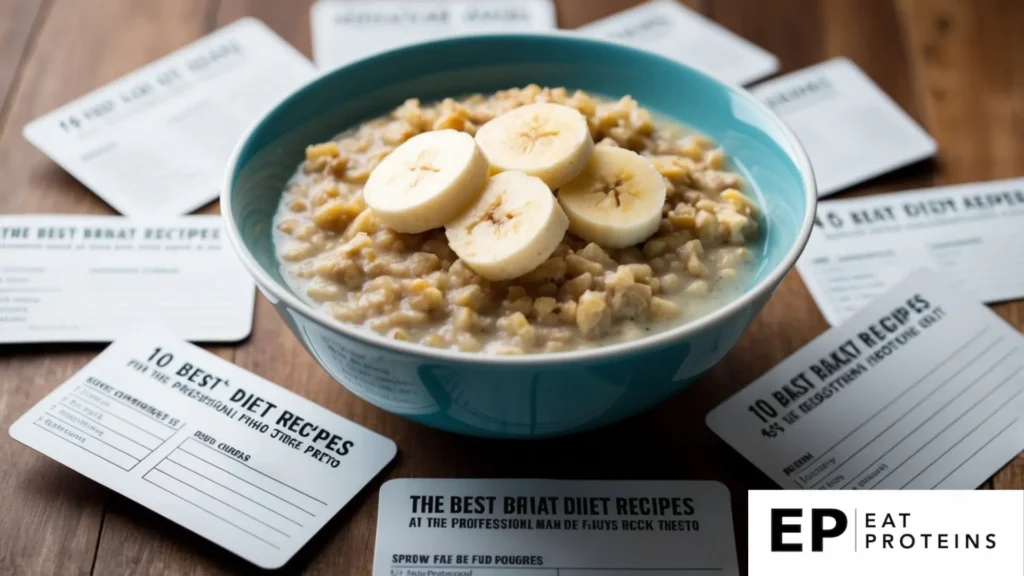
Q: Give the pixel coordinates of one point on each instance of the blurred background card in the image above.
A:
(851, 130)
(345, 31)
(673, 30)
(157, 140)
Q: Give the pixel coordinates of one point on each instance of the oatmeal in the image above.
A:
(635, 273)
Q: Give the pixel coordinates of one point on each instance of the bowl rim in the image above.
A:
(368, 337)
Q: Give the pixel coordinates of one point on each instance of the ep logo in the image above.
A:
(824, 522)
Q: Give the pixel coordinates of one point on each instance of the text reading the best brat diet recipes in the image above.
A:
(848, 362)
(250, 409)
(449, 526)
(541, 513)
(112, 233)
(597, 513)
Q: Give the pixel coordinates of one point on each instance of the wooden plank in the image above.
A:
(52, 516)
(970, 64)
(18, 19)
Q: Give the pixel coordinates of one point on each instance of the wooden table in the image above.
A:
(957, 66)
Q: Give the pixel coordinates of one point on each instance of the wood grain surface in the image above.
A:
(957, 66)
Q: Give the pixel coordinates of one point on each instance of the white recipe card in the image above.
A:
(970, 233)
(671, 29)
(348, 30)
(156, 141)
(851, 130)
(554, 527)
(236, 459)
(67, 278)
(920, 390)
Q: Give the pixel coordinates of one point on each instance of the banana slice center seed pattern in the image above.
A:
(530, 136)
(613, 194)
(420, 169)
(497, 216)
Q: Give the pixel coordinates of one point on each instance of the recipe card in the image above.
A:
(971, 234)
(920, 390)
(157, 141)
(553, 527)
(675, 31)
(67, 278)
(236, 459)
(851, 130)
(347, 31)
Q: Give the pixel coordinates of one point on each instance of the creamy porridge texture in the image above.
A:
(667, 227)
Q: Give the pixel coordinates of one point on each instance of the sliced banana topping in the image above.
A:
(426, 181)
(616, 201)
(549, 141)
(512, 228)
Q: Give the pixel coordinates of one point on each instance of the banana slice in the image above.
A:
(549, 141)
(513, 228)
(616, 201)
(426, 181)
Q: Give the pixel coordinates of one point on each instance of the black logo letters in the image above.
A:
(818, 531)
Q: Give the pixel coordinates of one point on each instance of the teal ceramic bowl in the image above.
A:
(527, 396)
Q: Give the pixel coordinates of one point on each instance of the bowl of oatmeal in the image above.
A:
(518, 235)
